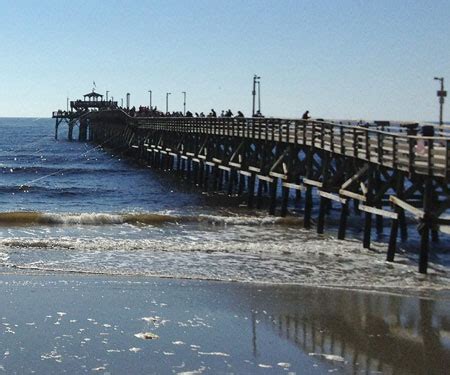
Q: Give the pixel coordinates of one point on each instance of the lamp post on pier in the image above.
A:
(259, 97)
(184, 102)
(67, 105)
(150, 98)
(255, 80)
(167, 101)
(121, 102)
(441, 94)
(107, 92)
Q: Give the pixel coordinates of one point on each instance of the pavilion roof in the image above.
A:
(93, 95)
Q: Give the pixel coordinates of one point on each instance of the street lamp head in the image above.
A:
(438, 79)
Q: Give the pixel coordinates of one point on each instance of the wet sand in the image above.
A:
(113, 325)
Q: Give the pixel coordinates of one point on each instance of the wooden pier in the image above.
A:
(382, 171)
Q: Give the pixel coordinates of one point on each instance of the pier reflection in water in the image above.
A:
(360, 332)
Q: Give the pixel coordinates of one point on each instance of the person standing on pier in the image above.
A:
(306, 116)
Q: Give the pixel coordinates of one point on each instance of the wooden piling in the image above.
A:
(251, 190)
(392, 248)
(273, 196)
(368, 215)
(425, 225)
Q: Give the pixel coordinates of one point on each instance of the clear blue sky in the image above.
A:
(337, 58)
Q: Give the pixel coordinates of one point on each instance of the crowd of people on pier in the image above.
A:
(144, 111)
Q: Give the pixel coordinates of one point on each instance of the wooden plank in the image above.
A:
(363, 188)
(196, 160)
(190, 154)
(228, 169)
(352, 195)
(278, 175)
(134, 146)
(245, 173)
(218, 161)
(201, 157)
(378, 211)
(163, 152)
(355, 177)
(265, 178)
(407, 207)
(254, 169)
(307, 181)
(210, 163)
(173, 154)
(294, 186)
(184, 157)
(333, 197)
(236, 165)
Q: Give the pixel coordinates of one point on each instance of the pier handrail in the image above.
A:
(411, 153)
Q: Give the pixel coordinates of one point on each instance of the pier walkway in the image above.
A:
(381, 170)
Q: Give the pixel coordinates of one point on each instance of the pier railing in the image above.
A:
(393, 149)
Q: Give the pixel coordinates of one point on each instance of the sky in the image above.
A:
(341, 59)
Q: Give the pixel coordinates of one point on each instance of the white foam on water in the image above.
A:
(218, 354)
(329, 357)
(83, 218)
(246, 253)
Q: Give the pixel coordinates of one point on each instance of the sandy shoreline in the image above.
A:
(89, 323)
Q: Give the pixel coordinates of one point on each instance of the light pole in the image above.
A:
(121, 102)
(67, 105)
(259, 97)
(107, 92)
(441, 94)
(184, 102)
(167, 102)
(128, 100)
(255, 79)
(150, 93)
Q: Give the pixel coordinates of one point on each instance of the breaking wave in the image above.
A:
(24, 218)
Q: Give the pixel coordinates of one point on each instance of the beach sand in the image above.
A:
(58, 323)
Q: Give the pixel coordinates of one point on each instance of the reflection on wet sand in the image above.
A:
(373, 333)
(81, 323)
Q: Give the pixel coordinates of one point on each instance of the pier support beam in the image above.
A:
(392, 248)
(323, 201)
(251, 190)
(368, 215)
(273, 196)
(426, 225)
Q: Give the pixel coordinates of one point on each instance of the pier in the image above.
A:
(381, 171)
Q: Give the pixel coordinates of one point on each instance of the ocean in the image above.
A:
(80, 208)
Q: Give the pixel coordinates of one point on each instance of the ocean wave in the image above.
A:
(24, 218)
(43, 170)
(342, 265)
(29, 188)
